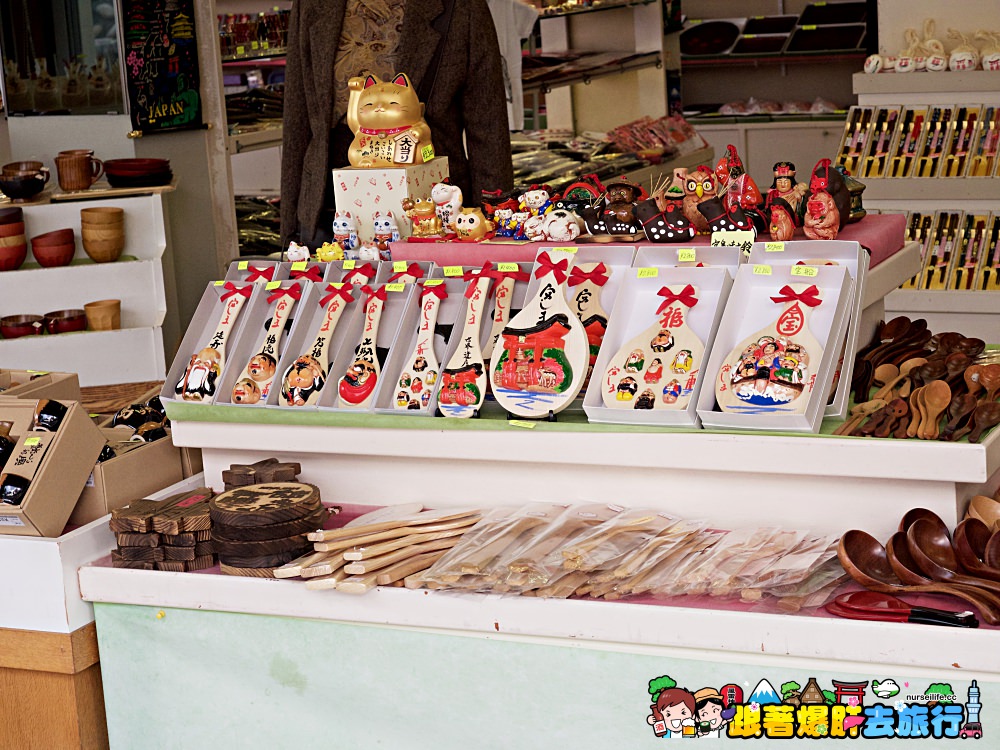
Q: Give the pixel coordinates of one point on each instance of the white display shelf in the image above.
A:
(944, 191)
(974, 313)
(239, 143)
(934, 88)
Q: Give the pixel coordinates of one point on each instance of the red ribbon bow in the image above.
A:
(294, 291)
(686, 298)
(260, 273)
(413, 270)
(497, 275)
(232, 289)
(313, 273)
(546, 266)
(598, 276)
(485, 272)
(366, 270)
(808, 296)
(438, 290)
(343, 292)
(379, 293)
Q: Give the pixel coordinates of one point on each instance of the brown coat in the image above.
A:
(468, 98)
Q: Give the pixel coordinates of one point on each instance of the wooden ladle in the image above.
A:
(866, 561)
(935, 399)
(983, 418)
(931, 549)
(959, 412)
(970, 542)
(915, 514)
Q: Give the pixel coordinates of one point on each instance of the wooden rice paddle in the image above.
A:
(422, 362)
(205, 367)
(463, 378)
(357, 385)
(254, 383)
(302, 382)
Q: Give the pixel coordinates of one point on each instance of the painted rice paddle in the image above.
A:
(463, 379)
(771, 369)
(657, 369)
(302, 382)
(506, 275)
(254, 383)
(543, 361)
(357, 386)
(198, 381)
(421, 369)
(587, 280)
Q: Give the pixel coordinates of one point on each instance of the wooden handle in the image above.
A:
(374, 563)
(417, 520)
(403, 569)
(328, 581)
(401, 531)
(366, 553)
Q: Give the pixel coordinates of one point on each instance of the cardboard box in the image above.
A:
(61, 386)
(362, 192)
(146, 468)
(59, 468)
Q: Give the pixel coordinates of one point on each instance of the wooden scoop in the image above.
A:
(896, 410)
(987, 510)
(959, 412)
(935, 399)
(904, 372)
(971, 539)
(931, 549)
(971, 376)
(984, 417)
(867, 562)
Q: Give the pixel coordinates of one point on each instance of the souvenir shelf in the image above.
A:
(131, 354)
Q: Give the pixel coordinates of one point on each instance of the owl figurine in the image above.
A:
(471, 225)
(700, 186)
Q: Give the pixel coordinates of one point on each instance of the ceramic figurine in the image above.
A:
(664, 225)
(369, 252)
(579, 195)
(536, 201)
(559, 225)
(345, 230)
(387, 120)
(722, 218)
(296, 252)
(423, 217)
(965, 55)
(385, 229)
(503, 216)
(990, 51)
(447, 203)
(738, 189)
(782, 216)
(616, 213)
(829, 204)
(329, 251)
(700, 186)
(785, 187)
(471, 225)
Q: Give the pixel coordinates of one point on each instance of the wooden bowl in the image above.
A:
(15, 326)
(13, 256)
(102, 235)
(13, 240)
(53, 256)
(11, 215)
(56, 237)
(65, 321)
(22, 166)
(102, 215)
(12, 230)
(22, 188)
(104, 251)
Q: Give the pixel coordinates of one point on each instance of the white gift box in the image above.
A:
(655, 256)
(352, 271)
(389, 271)
(303, 270)
(750, 308)
(253, 337)
(856, 259)
(257, 271)
(199, 333)
(398, 310)
(311, 315)
(634, 311)
(362, 192)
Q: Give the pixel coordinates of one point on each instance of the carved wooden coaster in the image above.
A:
(264, 547)
(313, 522)
(263, 472)
(231, 570)
(264, 504)
(262, 561)
(144, 554)
(186, 538)
(118, 561)
(137, 516)
(132, 539)
(190, 514)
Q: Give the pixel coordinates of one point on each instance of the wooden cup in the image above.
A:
(104, 315)
(79, 171)
(102, 215)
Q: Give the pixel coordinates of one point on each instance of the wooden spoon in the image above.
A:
(944, 344)
(463, 379)
(971, 346)
(886, 333)
(867, 562)
(959, 412)
(931, 549)
(934, 400)
(254, 383)
(897, 411)
(902, 374)
(984, 417)
(302, 382)
(198, 381)
(585, 301)
(989, 376)
(970, 542)
(916, 412)
(991, 555)
(357, 386)
(858, 413)
(972, 376)
(422, 365)
(502, 295)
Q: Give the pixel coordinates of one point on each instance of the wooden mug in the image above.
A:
(78, 171)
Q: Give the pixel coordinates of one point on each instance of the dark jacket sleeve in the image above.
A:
(485, 107)
(295, 128)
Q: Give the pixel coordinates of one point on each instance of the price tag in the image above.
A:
(38, 372)
(31, 442)
(774, 247)
(735, 238)
(810, 27)
(399, 266)
(348, 265)
(647, 273)
(241, 50)
(395, 287)
(686, 255)
(427, 152)
(507, 267)
(300, 265)
(266, 45)
(450, 271)
(434, 282)
(243, 265)
(218, 283)
(522, 423)
(749, 36)
(254, 45)
(336, 285)
(760, 269)
(272, 285)
(809, 271)
(564, 249)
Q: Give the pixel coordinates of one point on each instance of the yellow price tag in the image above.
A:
(810, 27)
(300, 265)
(434, 282)
(749, 36)
(522, 423)
(809, 271)
(508, 267)
(272, 285)
(254, 45)
(647, 273)
(348, 265)
(395, 287)
(266, 45)
(760, 269)
(218, 283)
(452, 271)
(399, 266)
(686, 255)
(774, 247)
(564, 249)
(336, 285)
(30, 442)
(243, 265)
(240, 50)
(427, 152)
(38, 372)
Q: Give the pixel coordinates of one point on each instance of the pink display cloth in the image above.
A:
(882, 234)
